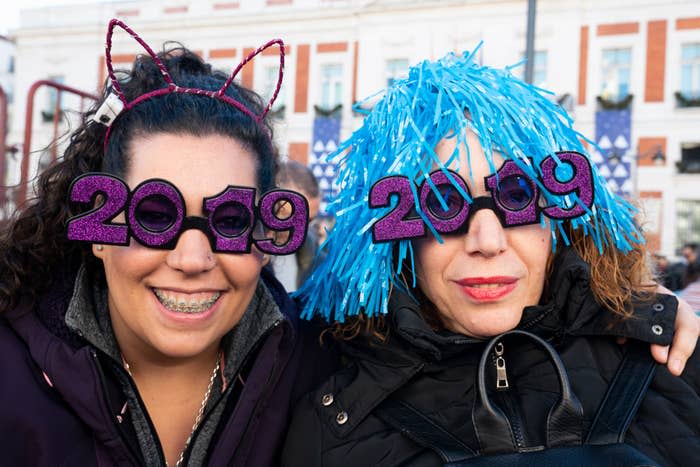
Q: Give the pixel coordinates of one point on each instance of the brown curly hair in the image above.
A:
(34, 246)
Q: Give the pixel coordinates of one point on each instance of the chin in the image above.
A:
(492, 325)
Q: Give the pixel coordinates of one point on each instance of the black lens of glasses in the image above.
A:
(515, 192)
(156, 213)
(453, 201)
(231, 219)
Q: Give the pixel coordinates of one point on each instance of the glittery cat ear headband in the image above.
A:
(117, 103)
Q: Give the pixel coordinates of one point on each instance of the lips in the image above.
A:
(488, 289)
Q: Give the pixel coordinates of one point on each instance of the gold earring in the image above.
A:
(99, 247)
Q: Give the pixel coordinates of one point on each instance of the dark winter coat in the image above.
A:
(434, 371)
(61, 398)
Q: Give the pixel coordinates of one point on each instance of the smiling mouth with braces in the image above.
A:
(181, 306)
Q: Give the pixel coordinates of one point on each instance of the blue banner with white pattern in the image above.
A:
(326, 135)
(615, 159)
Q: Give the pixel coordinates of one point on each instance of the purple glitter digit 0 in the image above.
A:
(232, 194)
(527, 215)
(296, 223)
(94, 226)
(168, 237)
(581, 183)
(442, 224)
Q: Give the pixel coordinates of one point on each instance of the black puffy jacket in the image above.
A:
(434, 372)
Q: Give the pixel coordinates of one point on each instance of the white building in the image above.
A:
(343, 50)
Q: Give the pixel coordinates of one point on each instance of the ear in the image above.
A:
(250, 57)
(108, 58)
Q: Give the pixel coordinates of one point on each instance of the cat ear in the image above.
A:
(247, 59)
(108, 58)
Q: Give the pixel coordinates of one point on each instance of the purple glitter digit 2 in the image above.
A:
(394, 225)
(167, 238)
(450, 224)
(580, 183)
(94, 226)
(296, 223)
(527, 215)
(239, 195)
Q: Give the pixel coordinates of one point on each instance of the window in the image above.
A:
(616, 71)
(690, 158)
(396, 68)
(687, 222)
(270, 75)
(53, 96)
(539, 72)
(331, 85)
(690, 71)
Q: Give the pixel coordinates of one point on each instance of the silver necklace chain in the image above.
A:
(202, 406)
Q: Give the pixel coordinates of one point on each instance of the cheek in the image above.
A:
(123, 264)
(432, 259)
(241, 270)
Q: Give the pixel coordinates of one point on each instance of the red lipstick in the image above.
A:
(500, 286)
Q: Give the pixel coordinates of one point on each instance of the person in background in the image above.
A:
(292, 270)
(690, 253)
(691, 292)
(670, 275)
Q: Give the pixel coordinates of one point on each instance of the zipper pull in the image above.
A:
(501, 375)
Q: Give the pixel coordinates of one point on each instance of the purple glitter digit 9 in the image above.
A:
(514, 194)
(394, 225)
(296, 223)
(580, 182)
(155, 213)
(94, 226)
(453, 218)
(230, 217)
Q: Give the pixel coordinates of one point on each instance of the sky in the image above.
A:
(9, 11)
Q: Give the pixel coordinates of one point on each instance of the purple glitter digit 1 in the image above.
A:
(581, 183)
(394, 225)
(245, 197)
(526, 215)
(94, 226)
(452, 221)
(163, 191)
(296, 223)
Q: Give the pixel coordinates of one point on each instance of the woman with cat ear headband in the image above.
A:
(483, 324)
(138, 325)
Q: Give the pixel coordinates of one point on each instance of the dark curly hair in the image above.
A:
(34, 249)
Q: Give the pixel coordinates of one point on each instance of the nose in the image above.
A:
(486, 236)
(192, 254)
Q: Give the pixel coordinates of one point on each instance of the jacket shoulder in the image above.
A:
(27, 403)
(667, 425)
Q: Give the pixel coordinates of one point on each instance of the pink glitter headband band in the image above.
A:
(108, 107)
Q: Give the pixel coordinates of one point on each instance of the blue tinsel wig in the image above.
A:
(441, 99)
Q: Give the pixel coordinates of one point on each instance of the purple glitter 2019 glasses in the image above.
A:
(444, 198)
(156, 215)
(112, 108)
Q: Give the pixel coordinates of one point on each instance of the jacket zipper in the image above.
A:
(502, 386)
(135, 454)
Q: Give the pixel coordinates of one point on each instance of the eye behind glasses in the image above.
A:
(156, 213)
(515, 192)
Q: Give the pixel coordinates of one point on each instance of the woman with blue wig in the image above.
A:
(490, 294)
